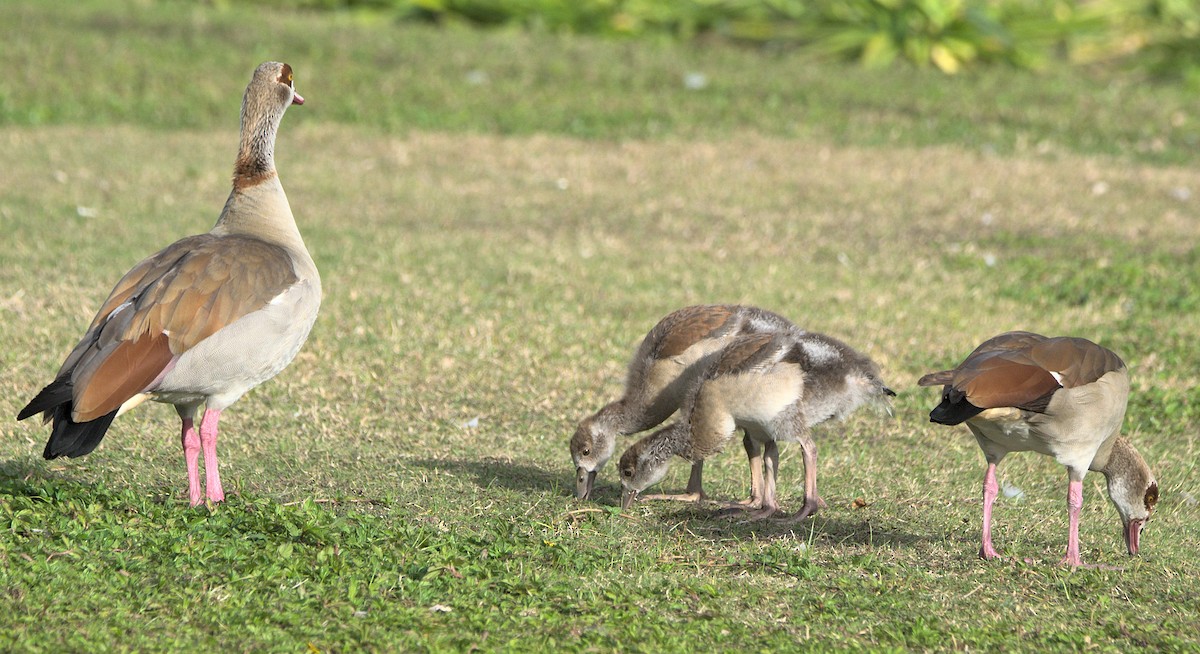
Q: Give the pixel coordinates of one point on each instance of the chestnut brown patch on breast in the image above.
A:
(251, 171)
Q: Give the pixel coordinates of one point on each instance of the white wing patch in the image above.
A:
(1057, 377)
(120, 307)
(278, 299)
(820, 353)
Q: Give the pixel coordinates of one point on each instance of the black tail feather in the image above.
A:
(953, 413)
(67, 437)
(54, 395)
(70, 438)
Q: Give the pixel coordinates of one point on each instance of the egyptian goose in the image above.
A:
(774, 386)
(204, 320)
(1064, 397)
(664, 366)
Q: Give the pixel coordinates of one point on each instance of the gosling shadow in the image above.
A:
(491, 472)
(828, 526)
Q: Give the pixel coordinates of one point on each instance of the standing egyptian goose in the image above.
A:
(1064, 397)
(204, 320)
(774, 386)
(663, 368)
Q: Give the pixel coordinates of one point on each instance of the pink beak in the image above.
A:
(1133, 534)
(297, 98)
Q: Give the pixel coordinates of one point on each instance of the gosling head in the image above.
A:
(645, 463)
(591, 447)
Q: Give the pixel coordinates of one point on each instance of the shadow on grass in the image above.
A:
(829, 526)
(490, 472)
(30, 478)
(28, 471)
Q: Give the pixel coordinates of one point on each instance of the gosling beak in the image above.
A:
(628, 495)
(1133, 535)
(585, 481)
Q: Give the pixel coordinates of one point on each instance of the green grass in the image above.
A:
(495, 252)
(168, 63)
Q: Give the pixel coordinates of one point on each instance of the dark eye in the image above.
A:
(627, 472)
(587, 451)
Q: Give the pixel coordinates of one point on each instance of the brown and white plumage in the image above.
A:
(1064, 397)
(205, 319)
(773, 386)
(663, 368)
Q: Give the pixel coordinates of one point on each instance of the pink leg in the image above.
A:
(770, 501)
(694, 491)
(812, 500)
(1075, 508)
(208, 441)
(695, 486)
(990, 490)
(755, 458)
(191, 456)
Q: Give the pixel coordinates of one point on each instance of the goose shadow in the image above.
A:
(490, 472)
(23, 472)
(30, 477)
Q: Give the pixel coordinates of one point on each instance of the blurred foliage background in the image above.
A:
(1159, 37)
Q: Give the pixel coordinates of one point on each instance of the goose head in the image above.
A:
(270, 92)
(1132, 489)
(268, 95)
(273, 83)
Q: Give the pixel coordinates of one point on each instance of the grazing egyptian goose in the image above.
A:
(204, 320)
(774, 386)
(663, 368)
(1064, 397)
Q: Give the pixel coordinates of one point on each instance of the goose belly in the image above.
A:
(244, 354)
(1010, 430)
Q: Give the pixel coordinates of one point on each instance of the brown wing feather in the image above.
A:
(689, 326)
(123, 373)
(1077, 360)
(1000, 382)
(936, 378)
(236, 273)
(1008, 342)
(143, 274)
(744, 354)
(164, 307)
(1014, 369)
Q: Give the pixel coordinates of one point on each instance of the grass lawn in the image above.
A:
(499, 217)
